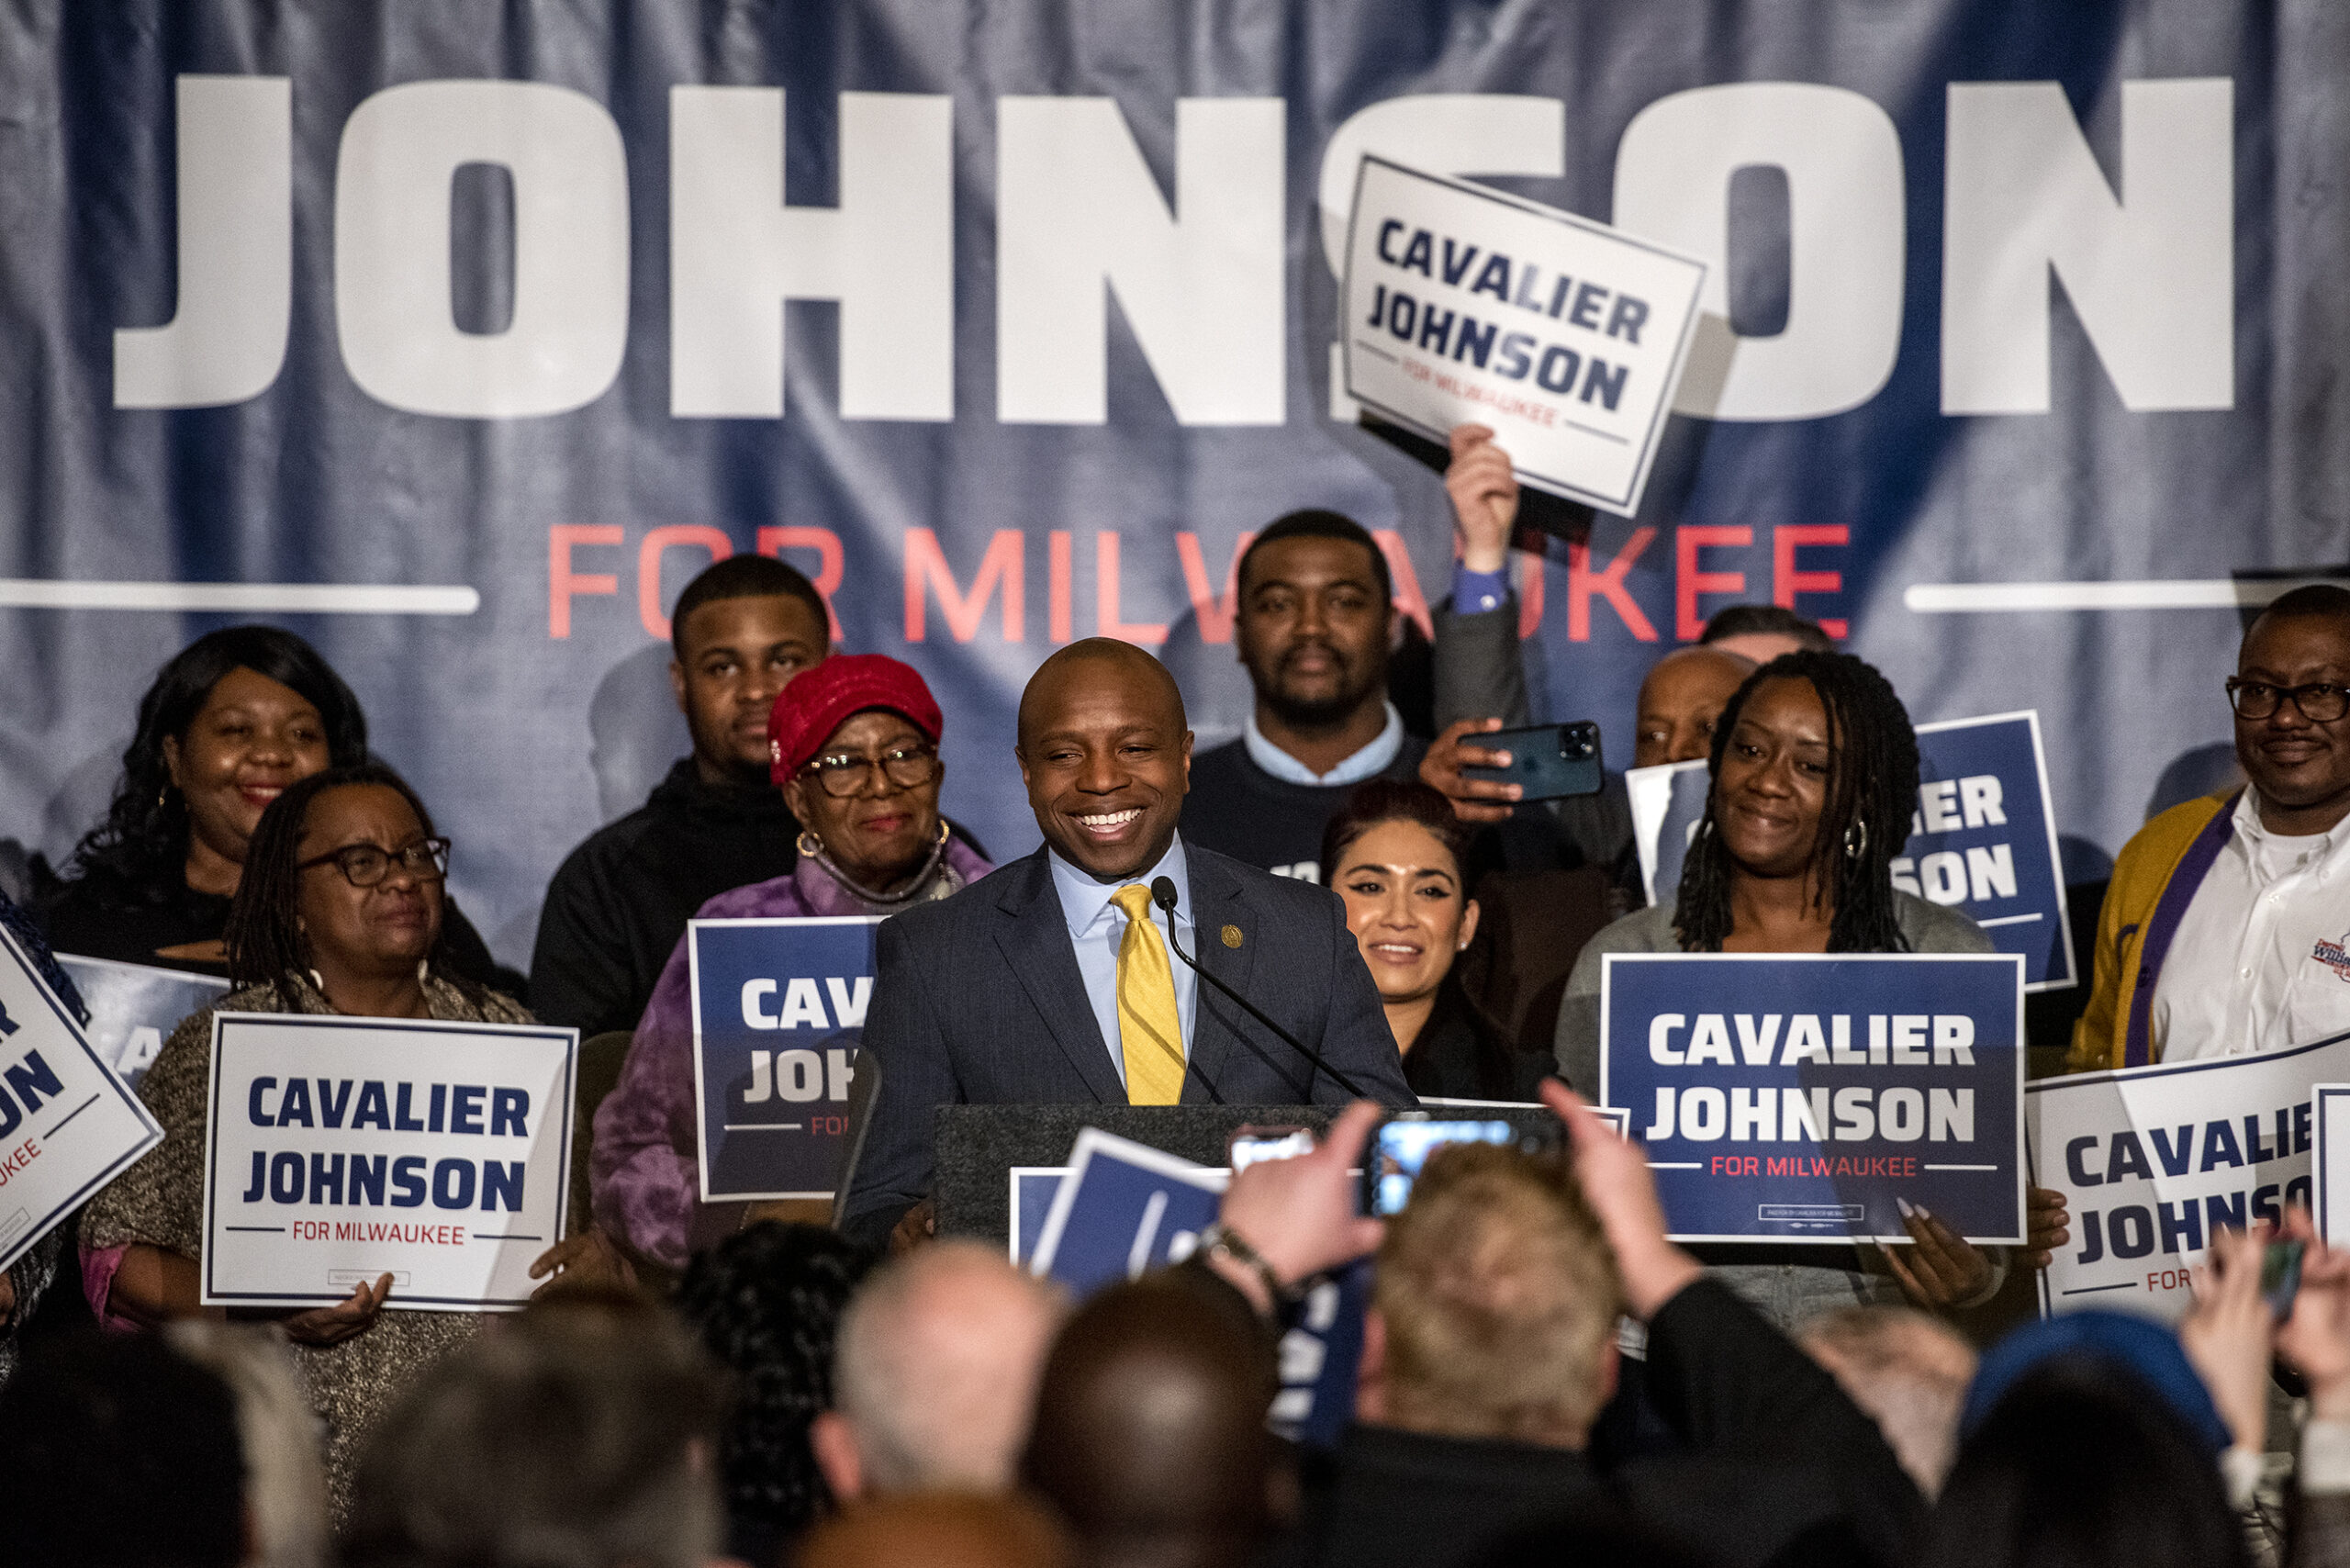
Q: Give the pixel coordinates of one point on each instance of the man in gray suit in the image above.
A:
(1010, 992)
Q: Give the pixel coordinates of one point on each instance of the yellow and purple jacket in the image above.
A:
(2155, 879)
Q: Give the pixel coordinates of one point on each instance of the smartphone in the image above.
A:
(1403, 1146)
(2280, 1276)
(1551, 761)
(1250, 1145)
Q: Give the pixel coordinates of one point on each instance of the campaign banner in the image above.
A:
(1803, 1097)
(1982, 839)
(135, 1007)
(340, 1150)
(2330, 1161)
(779, 1014)
(1567, 337)
(2153, 1159)
(68, 1124)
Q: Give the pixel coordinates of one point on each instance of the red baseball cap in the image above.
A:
(813, 705)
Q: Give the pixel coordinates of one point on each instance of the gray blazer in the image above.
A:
(1930, 927)
(977, 1000)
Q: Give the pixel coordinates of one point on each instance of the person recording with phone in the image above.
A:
(1118, 965)
(1398, 858)
(1815, 775)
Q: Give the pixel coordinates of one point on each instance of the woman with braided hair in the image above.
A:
(1814, 773)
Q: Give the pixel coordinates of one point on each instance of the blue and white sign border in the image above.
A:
(2204, 1064)
(1623, 505)
(694, 928)
(404, 1026)
(2023, 1145)
(2322, 1096)
(2030, 716)
(43, 1224)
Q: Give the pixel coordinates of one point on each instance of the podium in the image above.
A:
(977, 1147)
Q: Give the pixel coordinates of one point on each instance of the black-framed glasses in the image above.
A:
(364, 865)
(2320, 701)
(844, 773)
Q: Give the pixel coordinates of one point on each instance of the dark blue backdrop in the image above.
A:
(523, 740)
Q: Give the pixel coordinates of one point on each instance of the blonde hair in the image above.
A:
(1500, 1298)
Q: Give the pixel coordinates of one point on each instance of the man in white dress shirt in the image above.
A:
(2227, 926)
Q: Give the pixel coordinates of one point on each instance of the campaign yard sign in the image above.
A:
(1565, 336)
(1981, 838)
(135, 1007)
(2153, 1159)
(340, 1150)
(1805, 1097)
(778, 1011)
(68, 1125)
(1123, 1207)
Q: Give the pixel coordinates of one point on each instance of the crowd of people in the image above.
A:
(1542, 1372)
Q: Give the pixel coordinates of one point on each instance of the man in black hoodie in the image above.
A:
(621, 901)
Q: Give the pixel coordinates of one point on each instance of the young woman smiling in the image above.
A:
(1396, 855)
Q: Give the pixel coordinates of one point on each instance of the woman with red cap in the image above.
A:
(853, 744)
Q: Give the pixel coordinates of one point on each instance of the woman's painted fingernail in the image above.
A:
(1907, 1211)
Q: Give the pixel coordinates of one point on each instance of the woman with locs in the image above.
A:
(855, 750)
(1815, 775)
(339, 912)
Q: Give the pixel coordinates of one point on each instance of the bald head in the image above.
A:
(1150, 1431)
(937, 1364)
(1106, 756)
(1684, 693)
(1097, 664)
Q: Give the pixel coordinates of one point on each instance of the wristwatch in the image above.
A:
(1222, 1239)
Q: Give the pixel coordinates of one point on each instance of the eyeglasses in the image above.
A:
(364, 865)
(842, 774)
(2320, 701)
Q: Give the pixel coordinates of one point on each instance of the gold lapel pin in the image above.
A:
(1232, 936)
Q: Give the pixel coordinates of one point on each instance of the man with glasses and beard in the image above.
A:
(2226, 929)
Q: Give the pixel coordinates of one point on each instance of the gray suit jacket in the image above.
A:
(977, 1000)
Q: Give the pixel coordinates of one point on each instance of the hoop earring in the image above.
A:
(811, 845)
(942, 834)
(1856, 847)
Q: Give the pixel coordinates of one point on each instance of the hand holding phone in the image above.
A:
(1549, 762)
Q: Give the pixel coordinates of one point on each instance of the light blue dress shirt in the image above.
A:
(1369, 762)
(1098, 927)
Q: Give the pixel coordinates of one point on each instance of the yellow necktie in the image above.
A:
(1150, 1033)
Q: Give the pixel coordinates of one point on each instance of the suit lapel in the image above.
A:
(1219, 902)
(1036, 942)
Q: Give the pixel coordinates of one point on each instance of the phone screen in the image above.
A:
(2280, 1276)
(1405, 1147)
(1248, 1150)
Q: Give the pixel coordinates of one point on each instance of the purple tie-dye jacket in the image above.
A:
(643, 1175)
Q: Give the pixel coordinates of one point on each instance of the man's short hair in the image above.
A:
(117, 1450)
(1313, 524)
(575, 1436)
(931, 1407)
(745, 576)
(1766, 620)
(1500, 1297)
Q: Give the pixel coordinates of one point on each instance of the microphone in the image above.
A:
(1163, 894)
